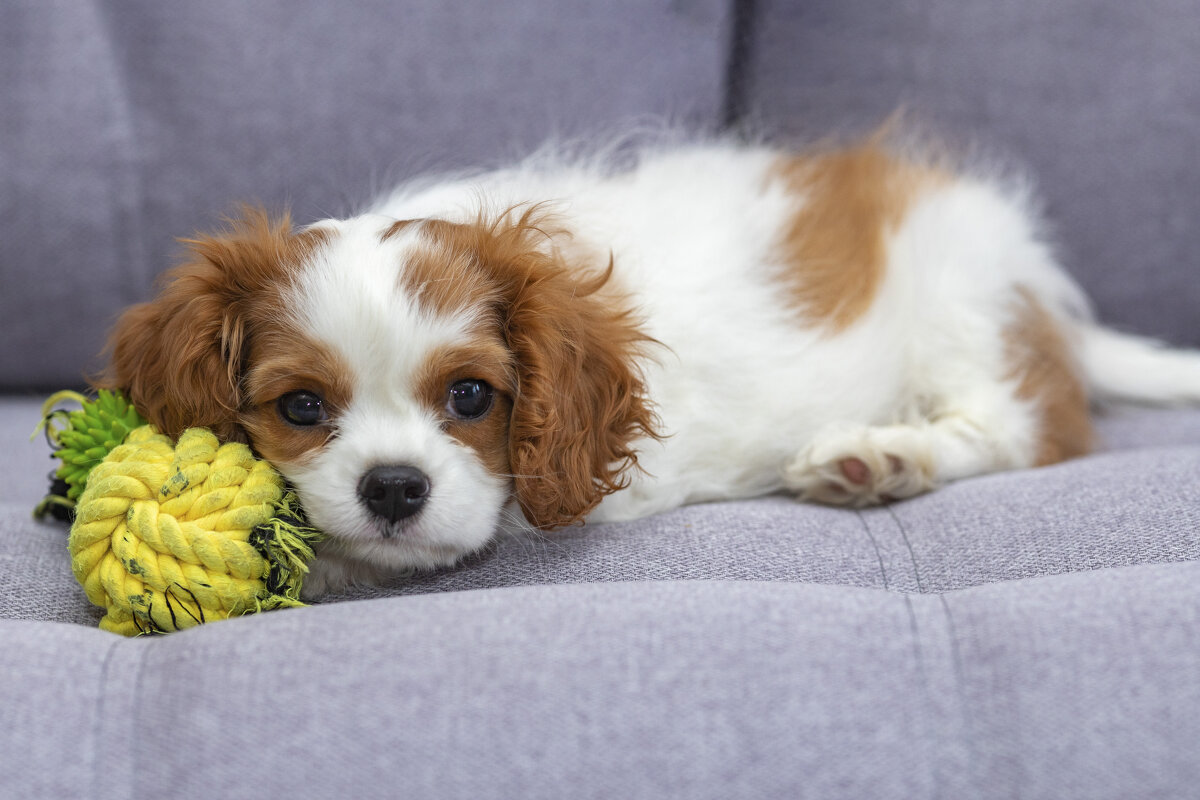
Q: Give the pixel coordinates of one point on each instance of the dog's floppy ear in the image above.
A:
(580, 400)
(179, 356)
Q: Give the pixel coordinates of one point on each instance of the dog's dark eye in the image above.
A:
(302, 408)
(469, 399)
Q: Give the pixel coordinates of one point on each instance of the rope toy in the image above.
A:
(167, 535)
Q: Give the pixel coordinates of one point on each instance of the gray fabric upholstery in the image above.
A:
(135, 123)
(1034, 634)
(1080, 686)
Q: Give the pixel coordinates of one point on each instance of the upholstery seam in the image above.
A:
(135, 710)
(931, 751)
(912, 556)
(101, 702)
(104, 772)
(960, 688)
(875, 546)
(129, 148)
(739, 46)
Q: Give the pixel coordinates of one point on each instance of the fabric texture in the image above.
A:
(1077, 686)
(1095, 101)
(127, 126)
(1115, 508)
(1032, 634)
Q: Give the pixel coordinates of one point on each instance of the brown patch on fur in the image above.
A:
(443, 273)
(395, 228)
(283, 361)
(1040, 359)
(180, 357)
(488, 437)
(835, 251)
(485, 360)
(578, 397)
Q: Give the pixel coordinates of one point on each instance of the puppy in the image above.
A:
(570, 340)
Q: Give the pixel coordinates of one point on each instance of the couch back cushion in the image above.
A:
(125, 127)
(1098, 101)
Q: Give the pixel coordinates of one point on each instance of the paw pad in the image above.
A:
(861, 467)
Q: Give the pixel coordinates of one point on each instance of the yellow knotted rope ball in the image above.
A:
(161, 537)
(167, 535)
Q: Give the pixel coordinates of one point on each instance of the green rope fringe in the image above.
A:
(80, 440)
(286, 543)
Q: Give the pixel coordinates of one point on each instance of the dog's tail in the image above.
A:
(1120, 366)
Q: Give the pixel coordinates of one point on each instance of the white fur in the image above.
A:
(349, 300)
(751, 398)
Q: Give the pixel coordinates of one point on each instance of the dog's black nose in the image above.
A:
(394, 493)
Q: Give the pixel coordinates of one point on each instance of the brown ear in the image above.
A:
(580, 400)
(179, 357)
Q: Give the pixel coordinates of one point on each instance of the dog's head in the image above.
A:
(408, 378)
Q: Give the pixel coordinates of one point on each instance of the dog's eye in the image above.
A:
(302, 408)
(469, 399)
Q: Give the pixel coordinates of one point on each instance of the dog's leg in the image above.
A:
(984, 398)
(862, 465)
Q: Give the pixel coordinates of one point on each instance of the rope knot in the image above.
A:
(162, 534)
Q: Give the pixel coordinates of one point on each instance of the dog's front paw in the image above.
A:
(861, 466)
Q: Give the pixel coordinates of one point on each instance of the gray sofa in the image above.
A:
(1034, 634)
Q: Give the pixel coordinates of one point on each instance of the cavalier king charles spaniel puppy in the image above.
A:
(570, 340)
